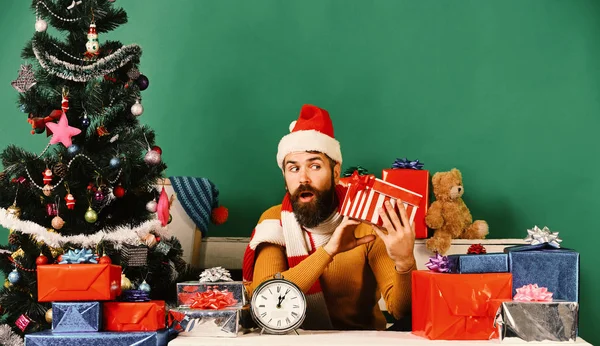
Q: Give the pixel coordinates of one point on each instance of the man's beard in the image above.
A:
(311, 214)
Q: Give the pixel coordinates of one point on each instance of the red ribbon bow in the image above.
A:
(212, 298)
(476, 249)
(358, 182)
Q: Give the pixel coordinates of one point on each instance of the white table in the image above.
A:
(343, 338)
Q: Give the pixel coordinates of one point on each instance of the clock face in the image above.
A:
(278, 306)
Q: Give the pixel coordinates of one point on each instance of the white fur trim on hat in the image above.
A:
(308, 140)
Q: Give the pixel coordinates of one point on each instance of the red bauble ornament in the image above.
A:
(91, 187)
(119, 191)
(59, 258)
(157, 149)
(219, 215)
(41, 260)
(105, 260)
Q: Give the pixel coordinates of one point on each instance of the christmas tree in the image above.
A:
(90, 194)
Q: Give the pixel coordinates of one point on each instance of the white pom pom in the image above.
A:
(292, 125)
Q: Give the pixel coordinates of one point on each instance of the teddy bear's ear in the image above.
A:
(457, 173)
(435, 180)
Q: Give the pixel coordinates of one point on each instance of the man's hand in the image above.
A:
(398, 236)
(343, 238)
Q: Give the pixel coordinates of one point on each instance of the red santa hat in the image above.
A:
(313, 131)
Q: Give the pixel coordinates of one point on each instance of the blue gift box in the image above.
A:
(76, 316)
(554, 268)
(478, 263)
(49, 338)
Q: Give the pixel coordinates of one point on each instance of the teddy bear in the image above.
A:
(449, 215)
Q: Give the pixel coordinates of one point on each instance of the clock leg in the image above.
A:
(295, 331)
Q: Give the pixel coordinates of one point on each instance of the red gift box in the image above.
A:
(78, 282)
(366, 194)
(134, 316)
(417, 181)
(457, 306)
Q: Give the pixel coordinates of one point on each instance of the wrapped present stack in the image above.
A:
(213, 306)
(89, 306)
(528, 292)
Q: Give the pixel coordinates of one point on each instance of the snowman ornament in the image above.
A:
(92, 46)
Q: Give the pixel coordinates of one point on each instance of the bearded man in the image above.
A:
(343, 266)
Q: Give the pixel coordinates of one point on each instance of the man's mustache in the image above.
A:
(305, 188)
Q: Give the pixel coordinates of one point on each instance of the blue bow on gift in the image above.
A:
(79, 256)
(406, 164)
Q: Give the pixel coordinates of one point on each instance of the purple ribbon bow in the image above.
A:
(406, 164)
(438, 263)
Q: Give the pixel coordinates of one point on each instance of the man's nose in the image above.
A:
(304, 179)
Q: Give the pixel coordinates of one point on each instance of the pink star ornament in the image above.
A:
(62, 132)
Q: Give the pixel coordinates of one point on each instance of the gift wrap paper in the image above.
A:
(78, 282)
(48, 338)
(218, 323)
(76, 316)
(457, 306)
(538, 321)
(555, 269)
(480, 263)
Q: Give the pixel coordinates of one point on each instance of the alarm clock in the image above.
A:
(278, 306)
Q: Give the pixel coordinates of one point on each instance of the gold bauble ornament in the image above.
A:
(14, 210)
(56, 251)
(90, 215)
(57, 222)
(49, 315)
(150, 240)
(7, 283)
(125, 283)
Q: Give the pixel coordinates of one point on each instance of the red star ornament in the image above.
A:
(62, 132)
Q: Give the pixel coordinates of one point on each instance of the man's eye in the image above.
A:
(315, 166)
(293, 169)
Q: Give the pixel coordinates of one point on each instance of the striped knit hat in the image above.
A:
(200, 200)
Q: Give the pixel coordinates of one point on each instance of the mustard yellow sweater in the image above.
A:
(352, 281)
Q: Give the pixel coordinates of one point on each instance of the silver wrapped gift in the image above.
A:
(225, 322)
(538, 321)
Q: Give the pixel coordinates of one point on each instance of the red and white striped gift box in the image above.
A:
(366, 194)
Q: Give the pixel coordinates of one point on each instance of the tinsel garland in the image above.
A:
(118, 235)
(8, 337)
(99, 68)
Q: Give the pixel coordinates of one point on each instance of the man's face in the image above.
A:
(311, 180)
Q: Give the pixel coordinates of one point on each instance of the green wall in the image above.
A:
(507, 91)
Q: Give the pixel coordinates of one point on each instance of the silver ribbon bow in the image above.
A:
(215, 274)
(537, 236)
